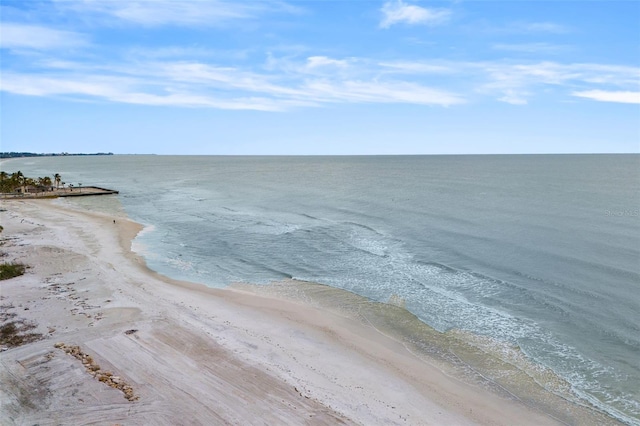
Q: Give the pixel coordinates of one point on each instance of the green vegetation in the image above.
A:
(11, 270)
(18, 182)
(33, 154)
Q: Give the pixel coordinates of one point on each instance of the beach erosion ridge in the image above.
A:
(119, 343)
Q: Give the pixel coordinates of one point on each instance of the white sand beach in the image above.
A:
(187, 354)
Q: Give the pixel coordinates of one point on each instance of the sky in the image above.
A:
(326, 77)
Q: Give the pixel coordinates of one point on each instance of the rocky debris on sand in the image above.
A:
(94, 369)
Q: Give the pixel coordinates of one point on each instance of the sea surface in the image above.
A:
(538, 254)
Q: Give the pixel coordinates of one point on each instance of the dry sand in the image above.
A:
(194, 355)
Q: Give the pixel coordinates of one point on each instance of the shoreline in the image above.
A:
(223, 355)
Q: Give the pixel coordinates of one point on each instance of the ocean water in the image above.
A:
(540, 253)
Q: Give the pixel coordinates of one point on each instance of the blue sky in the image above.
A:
(320, 77)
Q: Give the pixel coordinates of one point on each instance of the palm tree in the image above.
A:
(57, 178)
(44, 183)
(4, 181)
(18, 180)
(26, 182)
(6, 185)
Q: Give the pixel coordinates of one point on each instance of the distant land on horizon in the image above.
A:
(5, 155)
(33, 154)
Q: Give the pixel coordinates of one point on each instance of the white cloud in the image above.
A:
(316, 80)
(329, 88)
(177, 52)
(529, 28)
(543, 27)
(516, 83)
(194, 84)
(174, 12)
(209, 77)
(530, 47)
(377, 92)
(323, 61)
(132, 91)
(417, 67)
(521, 81)
(47, 85)
(398, 12)
(625, 97)
(514, 97)
(20, 36)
